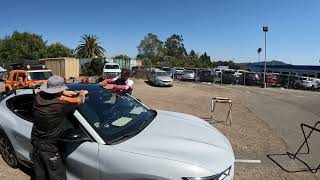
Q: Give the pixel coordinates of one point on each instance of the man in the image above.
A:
(52, 104)
(121, 85)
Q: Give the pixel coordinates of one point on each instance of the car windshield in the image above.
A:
(42, 75)
(205, 73)
(114, 117)
(162, 74)
(166, 69)
(179, 69)
(188, 71)
(108, 66)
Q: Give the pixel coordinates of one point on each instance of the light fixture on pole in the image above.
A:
(265, 30)
(259, 51)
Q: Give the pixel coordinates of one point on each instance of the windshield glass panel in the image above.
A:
(39, 75)
(188, 71)
(113, 116)
(162, 74)
(166, 69)
(107, 66)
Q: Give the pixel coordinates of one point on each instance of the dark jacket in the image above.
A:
(49, 112)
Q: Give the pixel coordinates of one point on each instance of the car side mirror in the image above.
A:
(73, 136)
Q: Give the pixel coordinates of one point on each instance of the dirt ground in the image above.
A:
(250, 136)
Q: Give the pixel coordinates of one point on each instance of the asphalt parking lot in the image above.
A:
(265, 121)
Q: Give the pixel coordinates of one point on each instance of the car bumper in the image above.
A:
(188, 77)
(165, 83)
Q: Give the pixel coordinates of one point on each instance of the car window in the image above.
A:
(107, 66)
(42, 75)
(14, 77)
(162, 74)
(22, 75)
(22, 106)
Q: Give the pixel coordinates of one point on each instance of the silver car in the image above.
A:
(160, 78)
(117, 137)
(189, 75)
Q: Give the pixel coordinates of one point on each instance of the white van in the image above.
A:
(111, 71)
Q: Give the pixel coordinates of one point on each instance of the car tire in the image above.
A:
(7, 152)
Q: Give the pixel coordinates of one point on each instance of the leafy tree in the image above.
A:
(89, 47)
(175, 47)
(193, 55)
(58, 50)
(20, 46)
(122, 56)
(150, 46)
(205, 60)
(94, 67)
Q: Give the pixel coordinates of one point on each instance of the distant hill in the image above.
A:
(273, 62)
(246, 66)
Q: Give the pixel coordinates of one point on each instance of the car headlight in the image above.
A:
(219, 176)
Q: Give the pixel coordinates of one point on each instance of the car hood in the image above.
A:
(164, 78)
(184, 138)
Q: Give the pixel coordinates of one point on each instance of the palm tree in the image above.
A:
(89, 47)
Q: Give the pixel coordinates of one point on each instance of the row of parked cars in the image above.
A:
(231, 76)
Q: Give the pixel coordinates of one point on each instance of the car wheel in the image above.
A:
(7, 152)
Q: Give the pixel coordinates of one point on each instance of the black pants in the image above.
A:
(48, 165)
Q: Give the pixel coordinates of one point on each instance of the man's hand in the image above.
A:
(69, 93)
(108, 86)
(83, 93)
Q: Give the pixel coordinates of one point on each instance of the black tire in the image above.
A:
(7, 152)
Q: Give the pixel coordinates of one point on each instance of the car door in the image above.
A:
(82, 161)
(21, 119)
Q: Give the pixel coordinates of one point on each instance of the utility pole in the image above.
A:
(265, 30)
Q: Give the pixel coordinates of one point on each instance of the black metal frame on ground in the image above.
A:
(294, 156)
(215, 100)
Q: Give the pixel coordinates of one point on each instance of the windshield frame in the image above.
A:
(115, 134)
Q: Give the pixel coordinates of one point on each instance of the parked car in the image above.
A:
(189, 75)
(315, 83)
(252, 79)
(111, 71)
(137, 71)
(117, 137)
(178, 72)
(169, 71)
(160, 78)
(228, 77)
(303, 83)
(205, 76)
(271, 79)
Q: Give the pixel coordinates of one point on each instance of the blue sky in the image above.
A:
(225, 29)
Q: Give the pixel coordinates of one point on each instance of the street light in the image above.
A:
(265, 30)
(259, 51)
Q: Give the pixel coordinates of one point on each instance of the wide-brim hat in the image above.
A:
(54, 85)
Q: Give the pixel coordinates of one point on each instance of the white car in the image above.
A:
(117, 137)
(111, 71)
(303, 82)
(315, 83)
